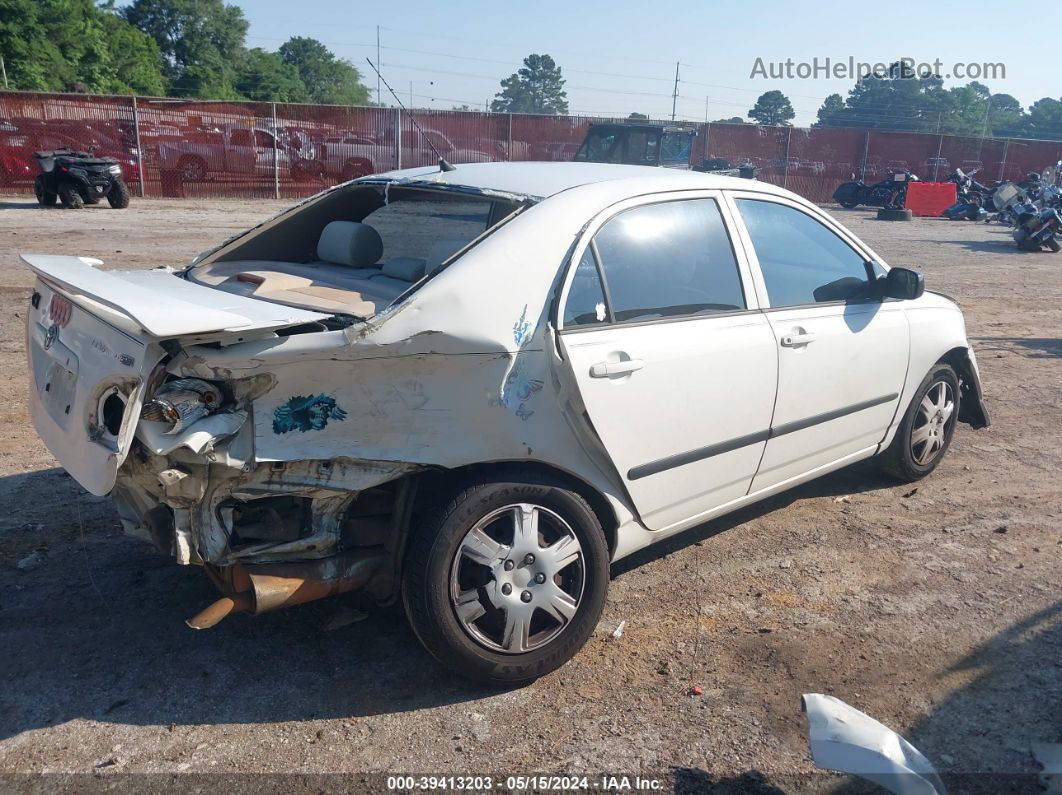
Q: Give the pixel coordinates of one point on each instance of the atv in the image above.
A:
(78, 178)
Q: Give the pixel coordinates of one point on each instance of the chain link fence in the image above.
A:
(182, 148)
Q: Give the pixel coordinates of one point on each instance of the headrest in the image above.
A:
(349, 243)
(408, 269)
(440, 250)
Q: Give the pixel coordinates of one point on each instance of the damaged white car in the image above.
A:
(471, 388)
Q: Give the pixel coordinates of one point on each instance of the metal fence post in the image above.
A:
(139, 148)
(276, 154)
(509, 144)
(785, 173)
(866, 154)
(1003, 162)
(398, 138)
(936, 163)
(707, 138)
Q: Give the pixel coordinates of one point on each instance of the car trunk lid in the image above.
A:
(93, 337)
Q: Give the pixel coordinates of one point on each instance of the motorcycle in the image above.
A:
(968, 190)
(890, 193)
(1037, 229)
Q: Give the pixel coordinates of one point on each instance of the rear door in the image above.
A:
(843, 351)
(675, 365)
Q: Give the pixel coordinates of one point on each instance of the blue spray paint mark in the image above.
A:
(522, 328)
(306, 413)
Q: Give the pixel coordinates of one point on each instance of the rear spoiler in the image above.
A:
(162, 303)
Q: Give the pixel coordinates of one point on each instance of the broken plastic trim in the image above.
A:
(843, 738)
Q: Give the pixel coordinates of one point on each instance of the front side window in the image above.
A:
(665, 260)
(802, 260)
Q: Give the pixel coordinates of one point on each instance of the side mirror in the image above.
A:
(903, 283)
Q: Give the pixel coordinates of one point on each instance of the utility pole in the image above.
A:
(706, 110)
(378, 61)
(674, 93)
(411, 95)
(4, 70)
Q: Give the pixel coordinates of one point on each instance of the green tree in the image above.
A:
(71, 45)
(538, 87)
(772, 108)
(135, 59)
(328, 79)
(731, 120)
(832, 108)
(266, 77)
(201, 42)
(1044, 119)
(635, 116)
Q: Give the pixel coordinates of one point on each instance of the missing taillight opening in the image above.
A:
(112, 412)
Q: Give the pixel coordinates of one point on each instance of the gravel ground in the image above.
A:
(935, 609)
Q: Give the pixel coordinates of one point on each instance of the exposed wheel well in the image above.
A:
(971, 405)
(436, 485)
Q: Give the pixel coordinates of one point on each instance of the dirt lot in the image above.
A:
(935, 609)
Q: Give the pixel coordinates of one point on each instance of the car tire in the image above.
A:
(848, 204)
(469, 573)
(45, 197)
(1054, 245)
(118, 195)
(70, 197)
(928, 424)
(894, 214)
(192, 169)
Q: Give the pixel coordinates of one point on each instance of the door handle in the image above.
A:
(605, 369)
(796, 340)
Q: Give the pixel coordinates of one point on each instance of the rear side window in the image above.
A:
(669, 260)
(586, 297)
(802, 260)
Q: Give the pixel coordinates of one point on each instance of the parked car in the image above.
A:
(16, 160)
(354, 156)
(471, 390)
(236, 150)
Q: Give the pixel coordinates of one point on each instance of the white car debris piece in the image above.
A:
(1049, 757)
(471, 389)
(844, 739)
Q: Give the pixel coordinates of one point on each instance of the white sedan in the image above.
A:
(470, 389)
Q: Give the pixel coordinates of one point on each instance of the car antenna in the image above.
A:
(443, 165)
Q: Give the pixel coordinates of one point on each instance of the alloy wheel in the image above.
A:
(517, 578)
(930, 427)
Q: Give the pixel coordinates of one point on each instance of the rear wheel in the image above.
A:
(1053, 244)
(926, 428)
(192, 169)
(848, 204)
(70, 197)
(45, 197)
(118, 195)
(508, 581)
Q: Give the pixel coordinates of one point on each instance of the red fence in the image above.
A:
(259, 149)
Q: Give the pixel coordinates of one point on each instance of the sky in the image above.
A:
(619, 57)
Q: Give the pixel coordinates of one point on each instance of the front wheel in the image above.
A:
(70, 196)
(118, 195)
(508, 581)
(1053, 244)
(927, 426)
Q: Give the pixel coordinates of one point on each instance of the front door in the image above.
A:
(676, 369)
(843, 351)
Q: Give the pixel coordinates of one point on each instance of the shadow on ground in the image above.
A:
(1037, 347)
(100, 632)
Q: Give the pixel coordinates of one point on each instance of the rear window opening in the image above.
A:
(353, 251)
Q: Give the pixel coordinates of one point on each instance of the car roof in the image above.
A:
(541, 180)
